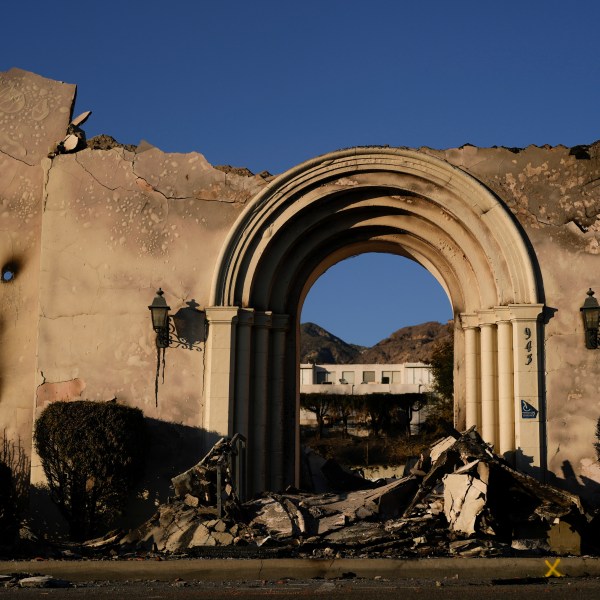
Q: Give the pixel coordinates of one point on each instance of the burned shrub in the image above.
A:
(14, 488)
(8, 509)
(92, 454)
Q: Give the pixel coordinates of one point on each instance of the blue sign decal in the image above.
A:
(528, 411)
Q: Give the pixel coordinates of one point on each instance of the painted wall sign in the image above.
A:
(528, 411)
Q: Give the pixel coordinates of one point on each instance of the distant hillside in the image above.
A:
(409, 344)
(319, 346)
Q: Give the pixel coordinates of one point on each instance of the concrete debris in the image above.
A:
(476, 548)
(211, 482)
(31, 580)
(177, 527)
(43, 581)
(81, 119)
(75, 138)
(107, 142)
(459, 499)
(464, 499)
(531, 545)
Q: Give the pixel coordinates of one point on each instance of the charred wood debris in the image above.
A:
(457, 499)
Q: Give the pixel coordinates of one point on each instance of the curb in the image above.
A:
(275, 569)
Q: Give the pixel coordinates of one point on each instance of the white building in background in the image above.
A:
(404, 378)
(359, 379)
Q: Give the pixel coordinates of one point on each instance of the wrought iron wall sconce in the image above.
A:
(159, 311)
(185, 329)
(590, 311)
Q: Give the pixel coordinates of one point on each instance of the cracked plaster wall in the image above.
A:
(98, 231)
(34, 114)
(554, 192)
(95, 233)
(126, 223)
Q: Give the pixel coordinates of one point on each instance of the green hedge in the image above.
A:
(92, 454)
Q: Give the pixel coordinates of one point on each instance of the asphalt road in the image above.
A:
(381, 589)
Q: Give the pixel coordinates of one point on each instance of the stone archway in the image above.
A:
(382, 200)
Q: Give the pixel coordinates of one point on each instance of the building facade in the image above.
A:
(362, 379)
(87, 235)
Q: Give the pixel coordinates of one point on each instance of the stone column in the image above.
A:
(220, 368)
(526, 361)
(472, 376)
(489, 388)
(506, 404)
(258, 446)
(277, 401)
(243, 365)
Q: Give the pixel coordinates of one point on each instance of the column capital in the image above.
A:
(246, 317)
(469, 321)
(525, 312)
(503, 314)
(280, 322)
(221, 314)
(263, 319)
(487, 317)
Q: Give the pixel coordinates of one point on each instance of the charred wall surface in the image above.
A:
(90, 234)
(34, 115)
(554, 192)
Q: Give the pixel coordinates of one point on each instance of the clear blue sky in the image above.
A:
(268, 84)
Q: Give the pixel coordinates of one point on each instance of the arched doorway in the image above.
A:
(372, 200)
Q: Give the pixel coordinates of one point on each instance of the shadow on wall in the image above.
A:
(584, 487)
(188, 327)
(171, 449)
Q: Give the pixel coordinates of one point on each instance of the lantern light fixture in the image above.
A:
(159, 311)
(590, 311)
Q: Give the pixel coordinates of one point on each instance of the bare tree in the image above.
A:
(320, 405)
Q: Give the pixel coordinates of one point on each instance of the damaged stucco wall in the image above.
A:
(34, 115)
(554, 192)
(126, 223)
(92, 234)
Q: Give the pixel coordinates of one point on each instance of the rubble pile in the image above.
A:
(210, 483)
(459, 498)
(205, 512)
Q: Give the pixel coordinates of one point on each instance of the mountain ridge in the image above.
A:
(413, 343)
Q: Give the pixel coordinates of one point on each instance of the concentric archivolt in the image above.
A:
(374, 199)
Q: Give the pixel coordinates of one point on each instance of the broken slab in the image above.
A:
(436, 450)
(359, 534)
(177, 527)
(43, 581)
(464, 500)
(212, 481)
(34, 114)
(392, 499)
(271, 513)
